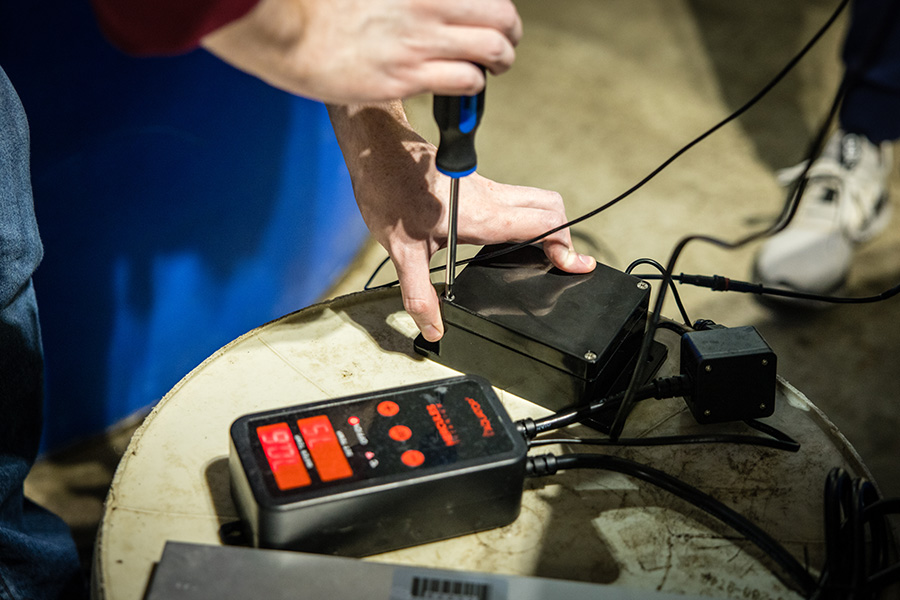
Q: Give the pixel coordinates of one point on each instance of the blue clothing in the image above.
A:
(872, 60)
(38, 558)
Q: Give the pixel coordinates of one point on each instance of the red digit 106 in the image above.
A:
(282, 455)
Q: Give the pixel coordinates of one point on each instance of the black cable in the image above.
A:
(770, 431)
(857, 541)
(734, 115)
(661, 387)
(835, 484)
(673, 326)
(675, 440)
(862, 494)
(675, 295)
(776, 439)
(786, 216)
(719, 283)
(884, 578)
(548, 464)
(883, 507)
(375, 273)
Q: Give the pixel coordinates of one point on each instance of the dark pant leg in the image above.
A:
(872, 60)
(38, 558)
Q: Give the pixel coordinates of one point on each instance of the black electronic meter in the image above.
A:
(378, 471)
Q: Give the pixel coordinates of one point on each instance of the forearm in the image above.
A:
(359, 126)
(379, 145)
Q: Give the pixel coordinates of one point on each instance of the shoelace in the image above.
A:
(852, 208)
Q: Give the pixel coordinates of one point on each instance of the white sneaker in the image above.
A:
(845, 203)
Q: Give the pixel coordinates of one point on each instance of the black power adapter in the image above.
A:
(380, 471)
(733, 374)
(551, 337)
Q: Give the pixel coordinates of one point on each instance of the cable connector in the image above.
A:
(527, 427)
(705, 324)
(670, 387)
(541, 465)
(662, 387)
(718, 283)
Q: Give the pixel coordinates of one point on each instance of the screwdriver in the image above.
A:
(457, 118)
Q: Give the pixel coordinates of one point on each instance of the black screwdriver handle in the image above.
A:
(458, 118)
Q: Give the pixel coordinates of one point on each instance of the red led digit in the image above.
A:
(324, 447)
(282, 455)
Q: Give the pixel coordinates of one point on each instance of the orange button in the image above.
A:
(388, 408)
(412, 458)
(400, 433)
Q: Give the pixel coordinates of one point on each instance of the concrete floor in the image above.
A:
(602, 93)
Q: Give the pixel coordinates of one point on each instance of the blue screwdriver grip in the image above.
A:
(457, 118)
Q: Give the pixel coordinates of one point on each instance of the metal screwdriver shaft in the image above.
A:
(450, 273)
(457, 118)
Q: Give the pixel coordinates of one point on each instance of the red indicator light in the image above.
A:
(324, 447)
(353, 420)
(412, 458)
(400, 433)
(388, 408)
(282, 455)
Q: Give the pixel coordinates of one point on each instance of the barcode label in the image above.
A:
(447, 589)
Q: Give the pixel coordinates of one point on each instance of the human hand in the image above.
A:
(403, 200)
(345, 51)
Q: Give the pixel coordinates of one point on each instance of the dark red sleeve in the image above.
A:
(164, 27)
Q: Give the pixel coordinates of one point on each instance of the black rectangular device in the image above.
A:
(551, 337)
(375, 472)
(733, 374)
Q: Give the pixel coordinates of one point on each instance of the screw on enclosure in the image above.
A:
(642, 285)
(590, 355)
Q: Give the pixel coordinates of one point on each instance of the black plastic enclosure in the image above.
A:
(469, 479)
(551, 337)
(733, 372)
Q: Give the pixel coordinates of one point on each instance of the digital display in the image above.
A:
(325, 448)
(283, 456)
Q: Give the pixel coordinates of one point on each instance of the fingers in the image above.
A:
(500, 15)
(479, 45)
(450, 78)
(563, 256)
(495, 14)
(495, 213)
(452, 70)
(474, 32)
(558, 247)
(419, 297)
